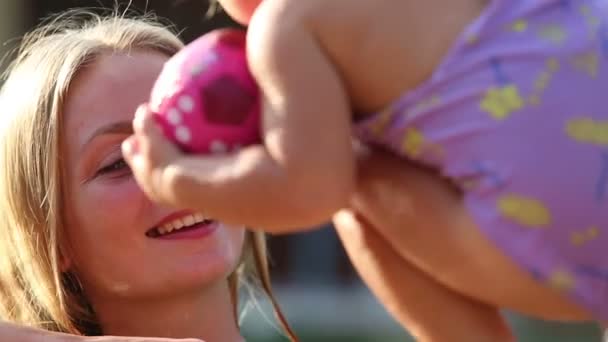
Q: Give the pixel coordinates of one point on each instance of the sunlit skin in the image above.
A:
(404, 222)
(138, 285)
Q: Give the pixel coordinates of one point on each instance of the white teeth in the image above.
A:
(188, 220)
(179, 223)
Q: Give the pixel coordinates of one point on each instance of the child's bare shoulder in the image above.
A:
(380, 47)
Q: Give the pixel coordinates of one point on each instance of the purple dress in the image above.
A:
(517, 115)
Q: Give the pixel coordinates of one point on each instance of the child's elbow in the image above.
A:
(324, 193)
(339, 189)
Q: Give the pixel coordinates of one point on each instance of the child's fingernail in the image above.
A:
(129, 147)
(138, 123)
(141, 110)
(140, 113)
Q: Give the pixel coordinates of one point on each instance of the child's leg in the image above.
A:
(430, 311)
(426, 223)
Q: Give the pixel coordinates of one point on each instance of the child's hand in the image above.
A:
(152, 158)
(247, 187)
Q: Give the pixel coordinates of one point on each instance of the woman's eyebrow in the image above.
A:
(120, 127)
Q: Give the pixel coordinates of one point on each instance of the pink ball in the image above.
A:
(205, 98)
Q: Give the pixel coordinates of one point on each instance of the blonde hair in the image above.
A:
(33, 290)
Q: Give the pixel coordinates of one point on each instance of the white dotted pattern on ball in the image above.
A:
(197, 69)
(186, 103)
(174, 116)
(183, 134)
(210, 58)
(218, 147)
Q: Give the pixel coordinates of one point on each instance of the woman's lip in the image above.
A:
(198, 231)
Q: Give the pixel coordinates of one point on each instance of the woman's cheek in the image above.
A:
(115, 198)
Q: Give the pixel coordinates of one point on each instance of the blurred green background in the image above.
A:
(353, 315)
(316, 285)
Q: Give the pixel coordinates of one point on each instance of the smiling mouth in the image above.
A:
(182, 224)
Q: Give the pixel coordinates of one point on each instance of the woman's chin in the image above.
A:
(212, 269)
(211, 272)
(191, 260)
(184, 281)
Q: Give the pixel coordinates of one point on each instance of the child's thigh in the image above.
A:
(426, 222)
(411, 295)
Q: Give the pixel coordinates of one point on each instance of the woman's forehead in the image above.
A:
(108, 91)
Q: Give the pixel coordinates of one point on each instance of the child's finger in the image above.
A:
(145, 127)
(130, 147)
(140, 114)
(148, 153)
(136, 152)
(145, 124)
(132, 154)
(149, 126)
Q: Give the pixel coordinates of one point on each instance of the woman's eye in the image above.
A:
(117, 166)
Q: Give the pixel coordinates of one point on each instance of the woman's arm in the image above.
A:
(423, 218)
(13, 332)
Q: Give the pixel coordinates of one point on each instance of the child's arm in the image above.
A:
(305, 171)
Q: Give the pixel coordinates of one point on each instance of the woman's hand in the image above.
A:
(424, 220)
(126, 339)
(13, 332)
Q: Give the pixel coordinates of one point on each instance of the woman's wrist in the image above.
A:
(13, 332)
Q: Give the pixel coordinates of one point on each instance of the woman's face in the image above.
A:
(114, 244)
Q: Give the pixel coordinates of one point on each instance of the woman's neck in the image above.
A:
(206, 315)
